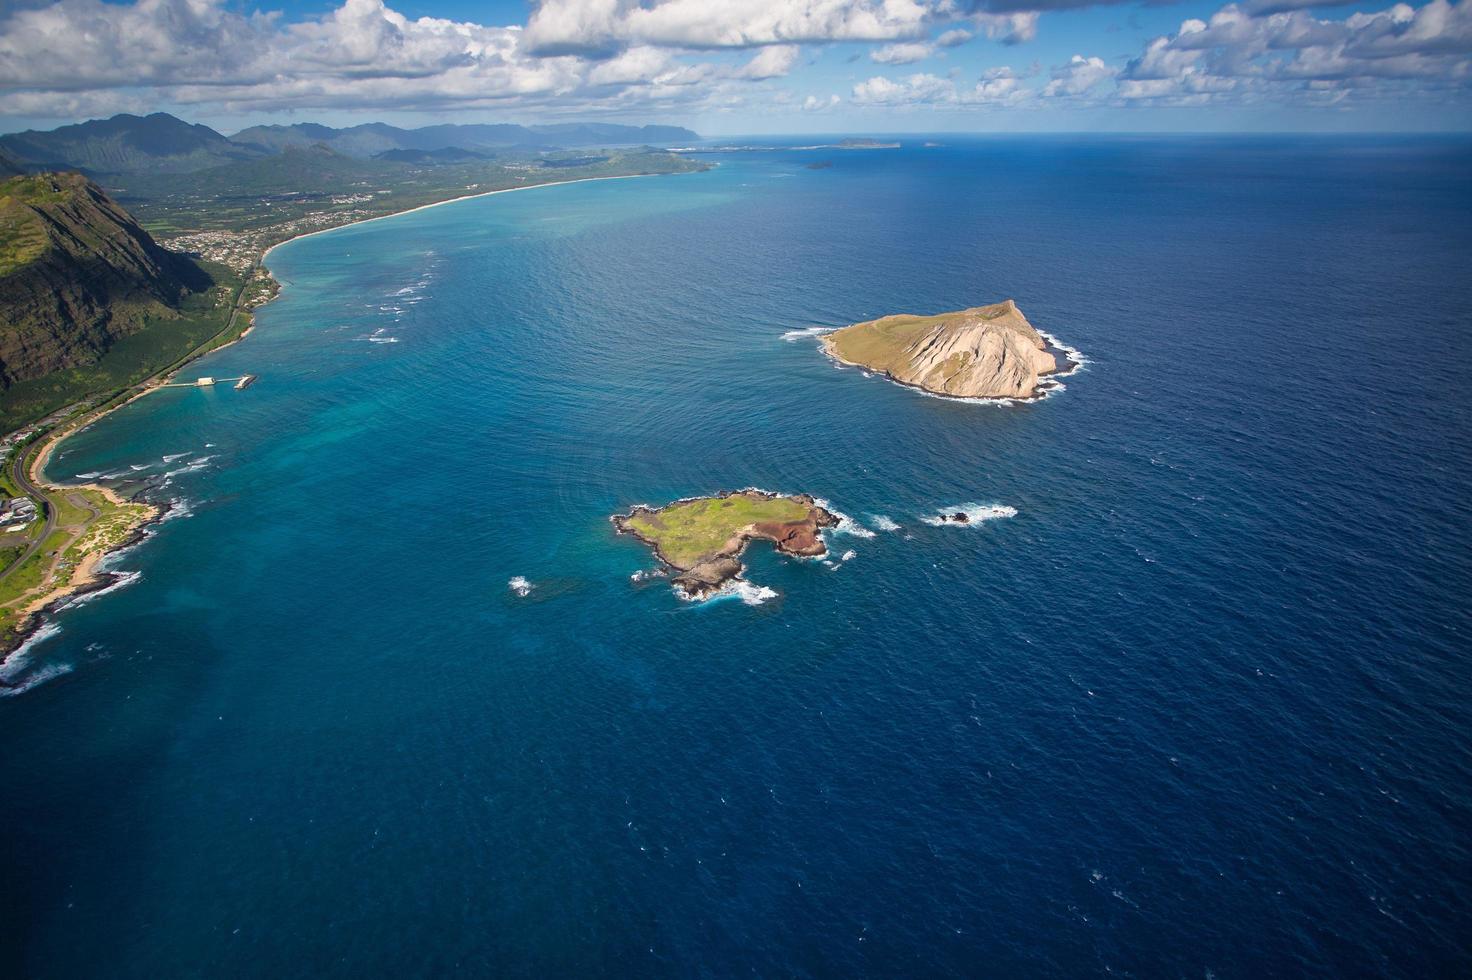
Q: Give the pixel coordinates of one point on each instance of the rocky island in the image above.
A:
(701, 538)
(983, 352)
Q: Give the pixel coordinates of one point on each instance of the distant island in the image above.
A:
(981, 352)
(863, 143)
(701, 539)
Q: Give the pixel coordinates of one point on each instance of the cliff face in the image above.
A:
(76, 274)
(984, 352)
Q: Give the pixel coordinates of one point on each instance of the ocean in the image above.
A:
(1194, 701)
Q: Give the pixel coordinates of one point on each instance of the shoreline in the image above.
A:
(435, 204)
(88, 576)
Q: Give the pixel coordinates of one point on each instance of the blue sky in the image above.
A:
(748, 66)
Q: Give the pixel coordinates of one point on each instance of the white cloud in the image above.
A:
(70, 58)
(772, 62)
(598, 27)
(814, 103)
(1014, 28)
(902, 54)
(997, 87)
(1293, 56)
(78, 57)
(1078, 77)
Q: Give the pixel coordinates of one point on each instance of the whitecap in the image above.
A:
(178, 507)
(749, 593)
(121, 580)
(883, 523)
(520, 586)
(846, 524)
(849, 555)
(792, 335)
(15, 669)
(171, 458)
(975, 514)
(195, 465)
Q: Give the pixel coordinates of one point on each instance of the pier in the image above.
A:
(244, 381)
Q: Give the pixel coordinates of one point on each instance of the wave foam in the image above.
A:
(883, 523)
(975, 514)
(846, 524)
(121, 580)
(194, 466)
(749, 593)
(16, 672)
(793, 335)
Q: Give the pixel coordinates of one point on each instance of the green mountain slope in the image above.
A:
(77, 274)
(375, 139)
(158, 143)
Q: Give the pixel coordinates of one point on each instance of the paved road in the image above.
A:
(22, 459)
(23, 481)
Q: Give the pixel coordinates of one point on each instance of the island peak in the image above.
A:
(980, 352)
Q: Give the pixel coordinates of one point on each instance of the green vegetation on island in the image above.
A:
(701, 538)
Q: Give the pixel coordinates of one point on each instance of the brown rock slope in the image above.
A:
(984, 352)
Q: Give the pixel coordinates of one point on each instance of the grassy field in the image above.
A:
(161, 342)
(692, 530)
(87, 523)
(22, 233)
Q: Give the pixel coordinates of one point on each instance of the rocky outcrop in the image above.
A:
(76, 274)
(983, 352)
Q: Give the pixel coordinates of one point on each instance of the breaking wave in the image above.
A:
(17, 674)
(792, 335)
(749, 593)
(975, 514)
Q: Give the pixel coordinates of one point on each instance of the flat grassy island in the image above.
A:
(701, 538)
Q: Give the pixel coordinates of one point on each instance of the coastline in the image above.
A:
(709, 575)
(88, 576)
(435, 204)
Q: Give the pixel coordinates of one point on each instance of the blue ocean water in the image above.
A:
(1200, 708)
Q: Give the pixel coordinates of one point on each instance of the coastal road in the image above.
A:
(23, 481)
(19, 468)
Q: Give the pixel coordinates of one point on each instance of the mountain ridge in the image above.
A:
(162, 143)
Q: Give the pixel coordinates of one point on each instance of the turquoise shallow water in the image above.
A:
(1200, 706)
